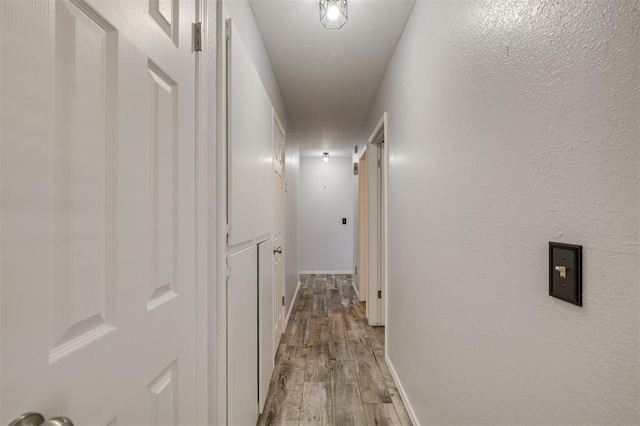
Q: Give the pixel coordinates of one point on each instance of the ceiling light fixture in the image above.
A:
(325, 156)
(333, 13)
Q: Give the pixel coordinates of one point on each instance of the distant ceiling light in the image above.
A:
(325, 156)
(333, 13)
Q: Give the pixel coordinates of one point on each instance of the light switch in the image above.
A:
(565, 272)
(344, 220)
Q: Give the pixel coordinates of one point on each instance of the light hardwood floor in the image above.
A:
(330, 367)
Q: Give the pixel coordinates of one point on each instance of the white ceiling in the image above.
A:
(328, 78)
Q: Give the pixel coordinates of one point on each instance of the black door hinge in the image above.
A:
(379, 294)
(197, 37)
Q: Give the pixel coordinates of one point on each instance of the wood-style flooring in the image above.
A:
(330, 367)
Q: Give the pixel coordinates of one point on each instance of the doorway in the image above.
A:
(278, 229)
(376, 227)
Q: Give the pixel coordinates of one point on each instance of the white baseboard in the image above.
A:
(286, 321)
(403, 395)
(326, 272)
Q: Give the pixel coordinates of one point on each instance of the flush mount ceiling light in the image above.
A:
(325, 156)
(333, 13)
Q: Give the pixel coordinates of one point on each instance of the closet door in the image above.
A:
(242, 297)
(266, 298)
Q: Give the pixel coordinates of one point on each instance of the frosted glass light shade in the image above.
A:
(333, 13)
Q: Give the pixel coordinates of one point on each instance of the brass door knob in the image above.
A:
(36, 419)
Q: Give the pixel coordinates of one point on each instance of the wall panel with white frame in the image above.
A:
(250, 147)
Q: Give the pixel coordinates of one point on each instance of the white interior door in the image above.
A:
(376, 226)
(278, 230)
(97, 211)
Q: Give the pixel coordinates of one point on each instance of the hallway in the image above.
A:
(196, 195)
(330, 366)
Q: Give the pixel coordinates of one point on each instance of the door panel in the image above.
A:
(266, 296)
(242, 296)
(83, 178)
(97, 211)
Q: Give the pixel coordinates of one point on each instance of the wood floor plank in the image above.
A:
(372, 384)
(283, 405)
(357, 310)
(317, 331)
(296, 340)
(338, 346)
(284, 352)
(347, 407)
(320, 306)
(376, 336)
(335, 301)
(384, 369)
(405, 420)
(318, 367)
(381, 415)
(316, 405)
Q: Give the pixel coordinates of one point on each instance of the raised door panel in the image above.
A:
(250, 148)
(162, 158)
(165, 13)
(242, 325)
(84, 166)
(163, 398)
(268, 301)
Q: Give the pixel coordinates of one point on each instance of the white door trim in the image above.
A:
(202, 219)
(363, 249)
(219, 203)
(377, 225)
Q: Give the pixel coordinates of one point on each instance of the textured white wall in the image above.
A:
(326, 245)
(512, 124)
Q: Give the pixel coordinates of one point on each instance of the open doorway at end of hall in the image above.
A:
(372, 258)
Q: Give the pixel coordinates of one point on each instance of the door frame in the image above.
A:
(206, 90)
(377, 224)
(283, 211)
(218, 203)
(363, 220)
